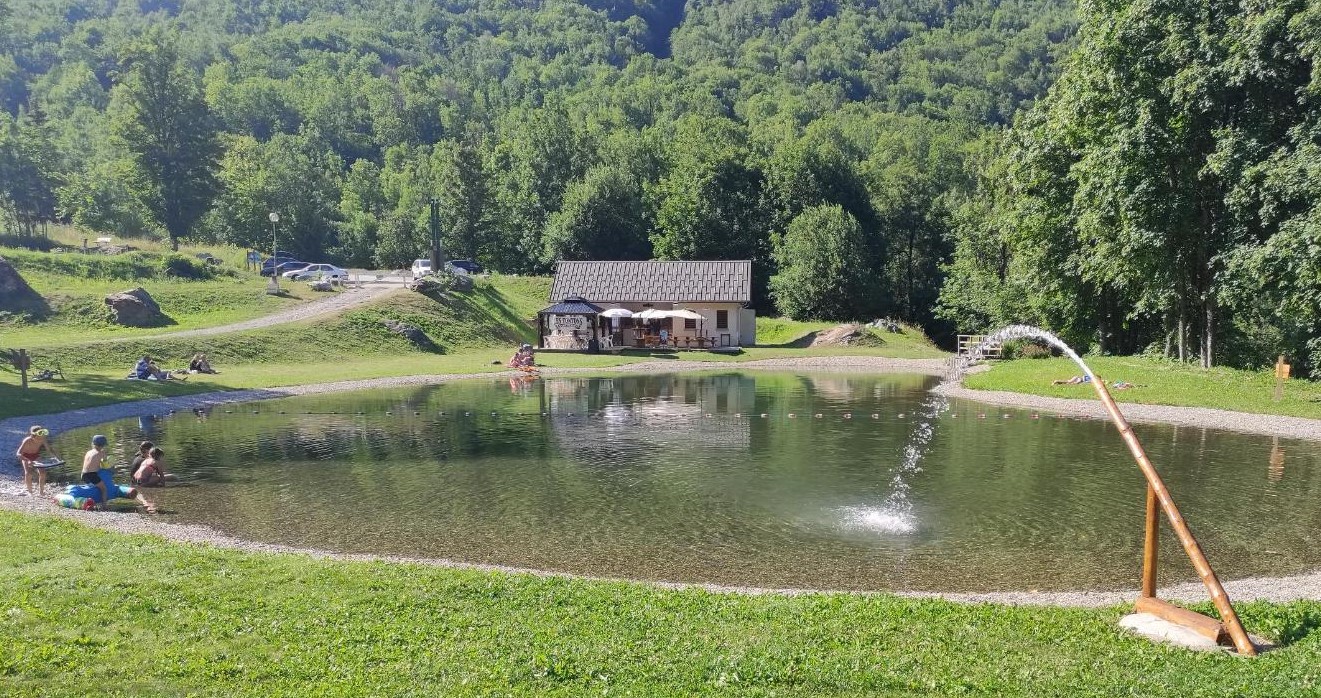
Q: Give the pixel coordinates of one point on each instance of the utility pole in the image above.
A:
(435, 236)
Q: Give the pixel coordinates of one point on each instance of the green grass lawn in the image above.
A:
(1161, 383)
(89, 612)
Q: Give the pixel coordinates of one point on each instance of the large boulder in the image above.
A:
(15, 293)
(135, 308)
(413, 334)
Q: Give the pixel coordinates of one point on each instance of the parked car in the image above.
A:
(317, 271)
(282, 264)
(464, 266)
(421, 267)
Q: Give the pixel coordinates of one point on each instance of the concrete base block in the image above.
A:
(1160, 630)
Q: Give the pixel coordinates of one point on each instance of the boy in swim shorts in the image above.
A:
(28, 454)
(93, 461)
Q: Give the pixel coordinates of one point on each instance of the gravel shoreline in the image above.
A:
(1277, 589)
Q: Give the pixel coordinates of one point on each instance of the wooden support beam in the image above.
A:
(1185, 536)
(1198, 623)
(1151, 544)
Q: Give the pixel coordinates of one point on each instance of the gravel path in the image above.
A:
(333, 303)
(1278, 589)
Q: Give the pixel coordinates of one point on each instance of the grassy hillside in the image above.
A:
(74, 285)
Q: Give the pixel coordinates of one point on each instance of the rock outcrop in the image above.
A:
(135, 308)
(414, 335)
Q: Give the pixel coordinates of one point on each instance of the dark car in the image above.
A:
(467, 265)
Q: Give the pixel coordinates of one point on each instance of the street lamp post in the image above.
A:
(435, 235)
(275, 253)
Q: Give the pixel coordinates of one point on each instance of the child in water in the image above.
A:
(28, 454)
(151, 472)
(93, 461)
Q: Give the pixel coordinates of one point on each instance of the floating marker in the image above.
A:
(981, 416)
(900, 415)
(1005, 416)
(763, 415)
(256, 412)
(1036, 416)
(792, 415)
(229, 411)
(415, 414)
(388, 413)
(281, 411)
(848, 416)
(875, 416)
(738, 414)
(817, 415)
(708, 415)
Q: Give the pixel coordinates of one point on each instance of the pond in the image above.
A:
(731, 478)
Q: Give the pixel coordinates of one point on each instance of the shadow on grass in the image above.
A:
(84, 390)
(802, 342)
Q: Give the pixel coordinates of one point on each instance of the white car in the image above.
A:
(317, 271)
(421, 267)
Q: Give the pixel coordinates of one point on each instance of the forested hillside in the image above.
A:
(1164, 197)
(1140, 179)
(828, 141)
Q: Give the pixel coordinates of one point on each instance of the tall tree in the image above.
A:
(603, 217)
(162, 120)
(824, 273)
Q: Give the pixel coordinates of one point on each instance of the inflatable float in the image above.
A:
(85, 496)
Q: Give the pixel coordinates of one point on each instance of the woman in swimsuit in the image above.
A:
(28, 454)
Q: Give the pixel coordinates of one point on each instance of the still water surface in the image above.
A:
(681, 478)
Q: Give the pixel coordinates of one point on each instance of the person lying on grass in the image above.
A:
(29, 451)
(146, 369)
(1075, 380)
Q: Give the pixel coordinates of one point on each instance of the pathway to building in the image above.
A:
(343, 300)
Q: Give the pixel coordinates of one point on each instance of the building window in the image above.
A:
(722, 319)
(689, 324)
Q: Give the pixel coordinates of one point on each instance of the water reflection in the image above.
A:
(681, 477)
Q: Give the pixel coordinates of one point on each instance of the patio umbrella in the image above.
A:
(617, 312)
(651, 314)
(685, 314)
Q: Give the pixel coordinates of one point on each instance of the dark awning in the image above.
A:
(572, 306)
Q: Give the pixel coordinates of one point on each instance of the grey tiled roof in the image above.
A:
(648, 282)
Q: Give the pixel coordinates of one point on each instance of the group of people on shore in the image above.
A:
(523, 359)
(146, 369)
(146, 470)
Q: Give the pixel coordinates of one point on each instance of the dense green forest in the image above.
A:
(548, 129)
(1135, 174)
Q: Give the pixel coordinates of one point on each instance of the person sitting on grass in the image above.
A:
(523, 359)
(146, 369)
(151, 472)
(28, 453)
(1075, 380)
(199, 364)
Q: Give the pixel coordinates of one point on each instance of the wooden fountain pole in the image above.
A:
(1150, 544)
(1156, 488)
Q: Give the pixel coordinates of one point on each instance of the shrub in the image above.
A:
(1026, 349)
(183, 267)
